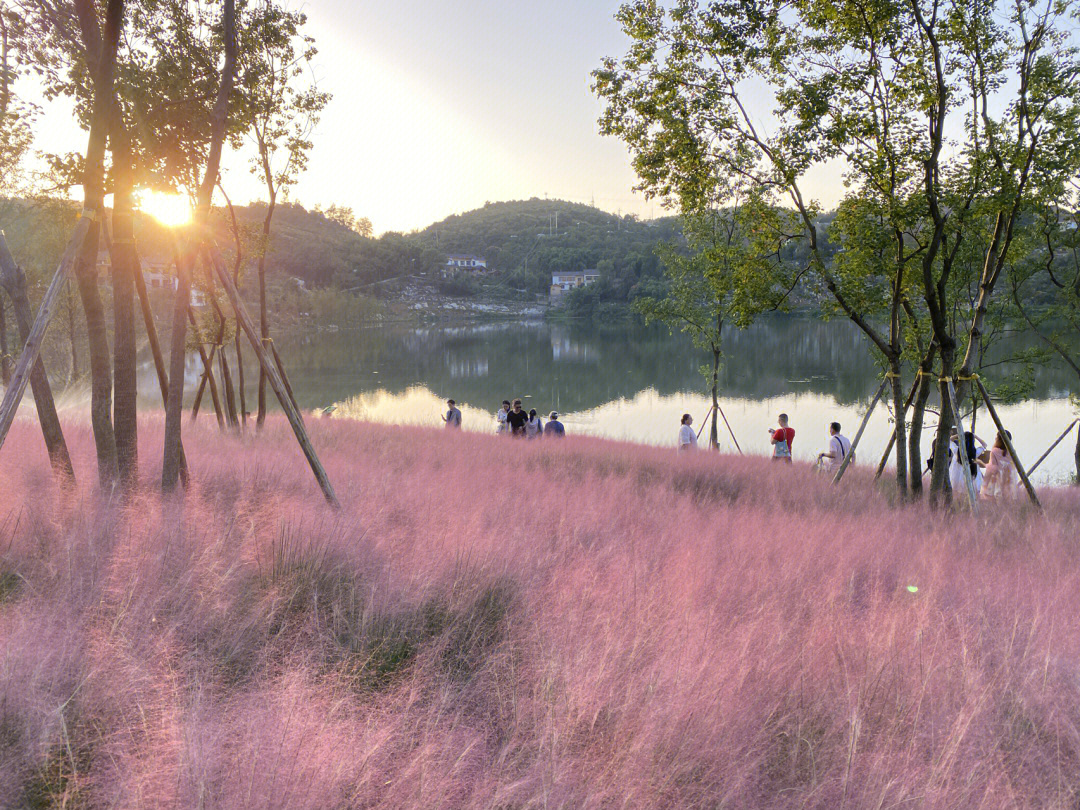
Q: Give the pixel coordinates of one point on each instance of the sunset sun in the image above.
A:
(171, 210)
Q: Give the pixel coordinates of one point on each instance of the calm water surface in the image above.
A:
(633, 382)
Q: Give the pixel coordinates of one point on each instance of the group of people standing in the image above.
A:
(992, 471)
(512, 420)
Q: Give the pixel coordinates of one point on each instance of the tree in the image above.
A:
(948, 118)
(731, 274)
(282, 109)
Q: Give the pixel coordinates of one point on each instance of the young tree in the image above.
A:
(283, 106)
(731, 274)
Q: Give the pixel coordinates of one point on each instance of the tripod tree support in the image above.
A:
(862, 427)
(1008, 443)
(276, 383)
(1050, 449)
(155, 350)
(729, 430)
(961, 444)
(892, 436)
(32, 345)
(704, 420)
(13, 280)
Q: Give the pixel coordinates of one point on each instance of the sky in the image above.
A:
(439, 107)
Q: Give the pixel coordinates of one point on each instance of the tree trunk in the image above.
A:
(208, 374)
(13, 281)
(939, 475)
(230, 397)
(5, 358)
(900, 413)
(240, 377)
(74, 375)
(918, 413)
(100, 363)
(101, 56)
(124, 264)
(1076, 459)
(714, 434)
(174, 404)
(264, 321)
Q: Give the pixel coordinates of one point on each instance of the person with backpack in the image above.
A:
(839, 447)
(782, 437)
(534, 428)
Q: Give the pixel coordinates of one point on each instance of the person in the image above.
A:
(500, 418)
(554, 428)
(839, 447)
(974, 447)
(1000, 473)
(687, 437)
(453, 415)
(782, 437)
(534, 428)
(516, 419)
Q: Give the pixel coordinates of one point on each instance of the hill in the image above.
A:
(628, 627)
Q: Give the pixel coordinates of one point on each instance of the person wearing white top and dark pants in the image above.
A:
(839, 447)
(687, 437)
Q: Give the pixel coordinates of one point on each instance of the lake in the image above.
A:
(632, 382)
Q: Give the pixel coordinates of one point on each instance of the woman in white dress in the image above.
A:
(1000, 476)
(975, 447)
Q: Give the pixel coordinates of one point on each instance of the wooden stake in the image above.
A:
(32, 345)
(704, 420)
(851, 451)
(208, 375)
(155, 350)
(892, 436)
(285, 377)
(1050, 450)
(269, 367)
(13, 280)
(961, 444)
(729, 430)
(1008, 443)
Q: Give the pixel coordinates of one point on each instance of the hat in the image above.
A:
(553, 415)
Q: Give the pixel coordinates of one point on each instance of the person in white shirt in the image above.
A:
(839, 447)
(687, 437)
(500, 419)
(975, 447)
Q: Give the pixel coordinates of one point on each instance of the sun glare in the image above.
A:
(171, 210)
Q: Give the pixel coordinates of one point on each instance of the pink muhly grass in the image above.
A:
(494, 623)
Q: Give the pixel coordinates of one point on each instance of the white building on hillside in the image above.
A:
(566, 281)
(464, 263)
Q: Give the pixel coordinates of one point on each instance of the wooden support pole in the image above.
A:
(704, 420)
(32, 345)
(13, 280)
(1008, 443)
(729, 430)
(866, 418)
(155, 350)
(1050, 449)
(961, 444)
(892, 436)
(269, 367)
(230, 397)
(284, 377)
(208, 372)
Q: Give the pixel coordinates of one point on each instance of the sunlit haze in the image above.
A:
(439, 107)
(171, 210)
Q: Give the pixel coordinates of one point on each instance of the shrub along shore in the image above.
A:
(491, 623)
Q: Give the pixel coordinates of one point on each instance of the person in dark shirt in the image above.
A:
(554, 427)
(517, 419)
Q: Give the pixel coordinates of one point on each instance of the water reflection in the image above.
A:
(630, 382)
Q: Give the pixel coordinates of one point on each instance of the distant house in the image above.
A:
(564, 282)
(464, 263)
(159, 274)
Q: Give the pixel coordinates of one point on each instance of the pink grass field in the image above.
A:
(498, 624)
